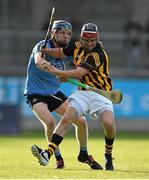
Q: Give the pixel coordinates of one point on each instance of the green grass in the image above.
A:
(131, 153)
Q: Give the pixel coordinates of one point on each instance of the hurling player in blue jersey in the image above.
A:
(44, 96)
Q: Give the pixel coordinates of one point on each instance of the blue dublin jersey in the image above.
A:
(38, 81)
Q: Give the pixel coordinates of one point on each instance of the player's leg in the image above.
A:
(48, 121)
(109, 125)
(40, 109)
(81, 128)
(68, 118)
(42, 113)
(103, 108)
(81, 131)
(82, 135)
(44, 155)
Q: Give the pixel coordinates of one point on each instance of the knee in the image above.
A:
(65, 123)
(65, 120)
(108, 119)
(50, 124)
(109, 122)
(81, 122)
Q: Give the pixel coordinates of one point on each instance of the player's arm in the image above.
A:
(54, 52)
(60, 53)
(91, 62)
(40, 62)
(38, 59)
(74, 73)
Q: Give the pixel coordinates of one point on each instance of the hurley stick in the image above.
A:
(115, 96)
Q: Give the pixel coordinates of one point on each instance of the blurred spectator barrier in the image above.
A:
(9, 106)
(135, 104)
(9, 119)
(12, 54)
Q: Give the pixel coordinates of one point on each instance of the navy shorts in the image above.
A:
(52, 101)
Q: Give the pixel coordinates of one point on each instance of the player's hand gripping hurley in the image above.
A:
(115, 96)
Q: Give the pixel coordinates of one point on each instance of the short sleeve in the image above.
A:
(92, 61)
(37, 47)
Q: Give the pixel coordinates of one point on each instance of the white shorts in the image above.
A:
(89, 102)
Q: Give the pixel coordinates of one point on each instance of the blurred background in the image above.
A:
(124, 31)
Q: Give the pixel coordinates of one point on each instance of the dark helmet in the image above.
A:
(89, 30)
(61, 25)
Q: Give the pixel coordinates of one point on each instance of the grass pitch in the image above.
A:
(131, 153)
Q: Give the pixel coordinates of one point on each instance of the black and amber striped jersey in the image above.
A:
(96, 61)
